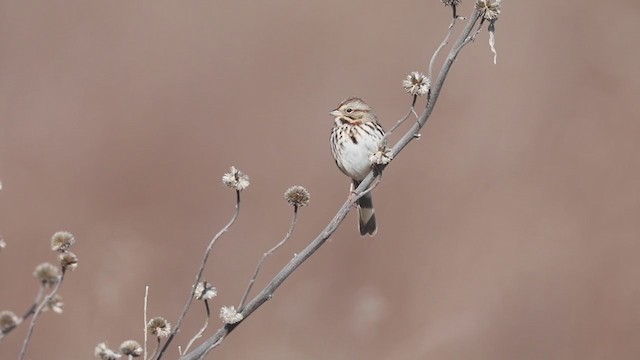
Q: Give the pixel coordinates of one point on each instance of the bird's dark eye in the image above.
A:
(349, 110)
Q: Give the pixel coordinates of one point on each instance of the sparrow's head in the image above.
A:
(353, 110)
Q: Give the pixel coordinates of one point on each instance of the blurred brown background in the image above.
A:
(509, 231)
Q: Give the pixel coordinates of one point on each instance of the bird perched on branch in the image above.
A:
(356, 135)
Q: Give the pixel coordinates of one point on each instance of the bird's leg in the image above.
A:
(352, 192)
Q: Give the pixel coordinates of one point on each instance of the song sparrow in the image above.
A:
(354, 137)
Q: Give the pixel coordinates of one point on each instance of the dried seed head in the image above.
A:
(230, 315)
(8, 320)
(68, 260)
(381, 157)
(3, 244)
(103, 352)
(54, 304)
(490, 9)
(416, 83)
(297, 196)
(236, 179)
(131, 348)
(159, 327)
(47, 274)
(450, 2)
(205, 291)
(62, 241)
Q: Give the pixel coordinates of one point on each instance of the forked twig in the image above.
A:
(444, 42)
(37, 313)
(199, 276)
(412, 110)
(269, 290)
(266, 255)
(202, 329)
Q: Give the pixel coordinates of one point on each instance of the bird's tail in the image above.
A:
(367, 214)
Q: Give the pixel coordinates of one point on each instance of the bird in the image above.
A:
(356, 135)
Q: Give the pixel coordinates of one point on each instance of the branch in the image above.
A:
(444, 42)
(199, 276)
(38, 311)
(27, 314)
(202, 329)
(298, 259)
(266, 255)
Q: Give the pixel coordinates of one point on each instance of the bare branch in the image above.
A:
(37, 313)
(199, 276)
(146, 333)
(27, 314)
(204, 327)
(412, 110)
(443, 43)
(269, 290)
(157, 347)
(266, 255)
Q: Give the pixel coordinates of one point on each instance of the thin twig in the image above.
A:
(266, 255)
(443, 43)
(27, 314)
(146, 334)
(204, 327)
(37, 313)
(269, 290)
(156, 349)
(199, 276)
(473, 37)
(412, 110)
(206, 352)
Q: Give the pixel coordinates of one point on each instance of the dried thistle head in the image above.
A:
(62, 241)
(47, 274)
(68, 261)
(490, 9)
(8, 320)
(229, 315)
(159, 327)
(131, 348)
(236, 179)
(381, 157)
(416, 83)
(103, 352)
(205, 291)
(54, 304)
(297, 196)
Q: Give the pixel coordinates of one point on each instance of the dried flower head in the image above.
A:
(205, 291)
(3, 244)
(8, 320)
(416, 83)
(68, 260)
(54, 304)
(131, 348)
(230, 315)
(297, 196)
(159, 327)
(103, 352)
(236, 179)
(450, 2)
(381, 157)
(490, 9)
(47, 274)
(62, 241)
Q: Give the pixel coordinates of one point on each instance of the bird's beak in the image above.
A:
(336, 113)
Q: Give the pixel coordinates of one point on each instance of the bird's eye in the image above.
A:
(349, 110)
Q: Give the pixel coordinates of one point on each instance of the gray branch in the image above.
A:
(298, 259)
